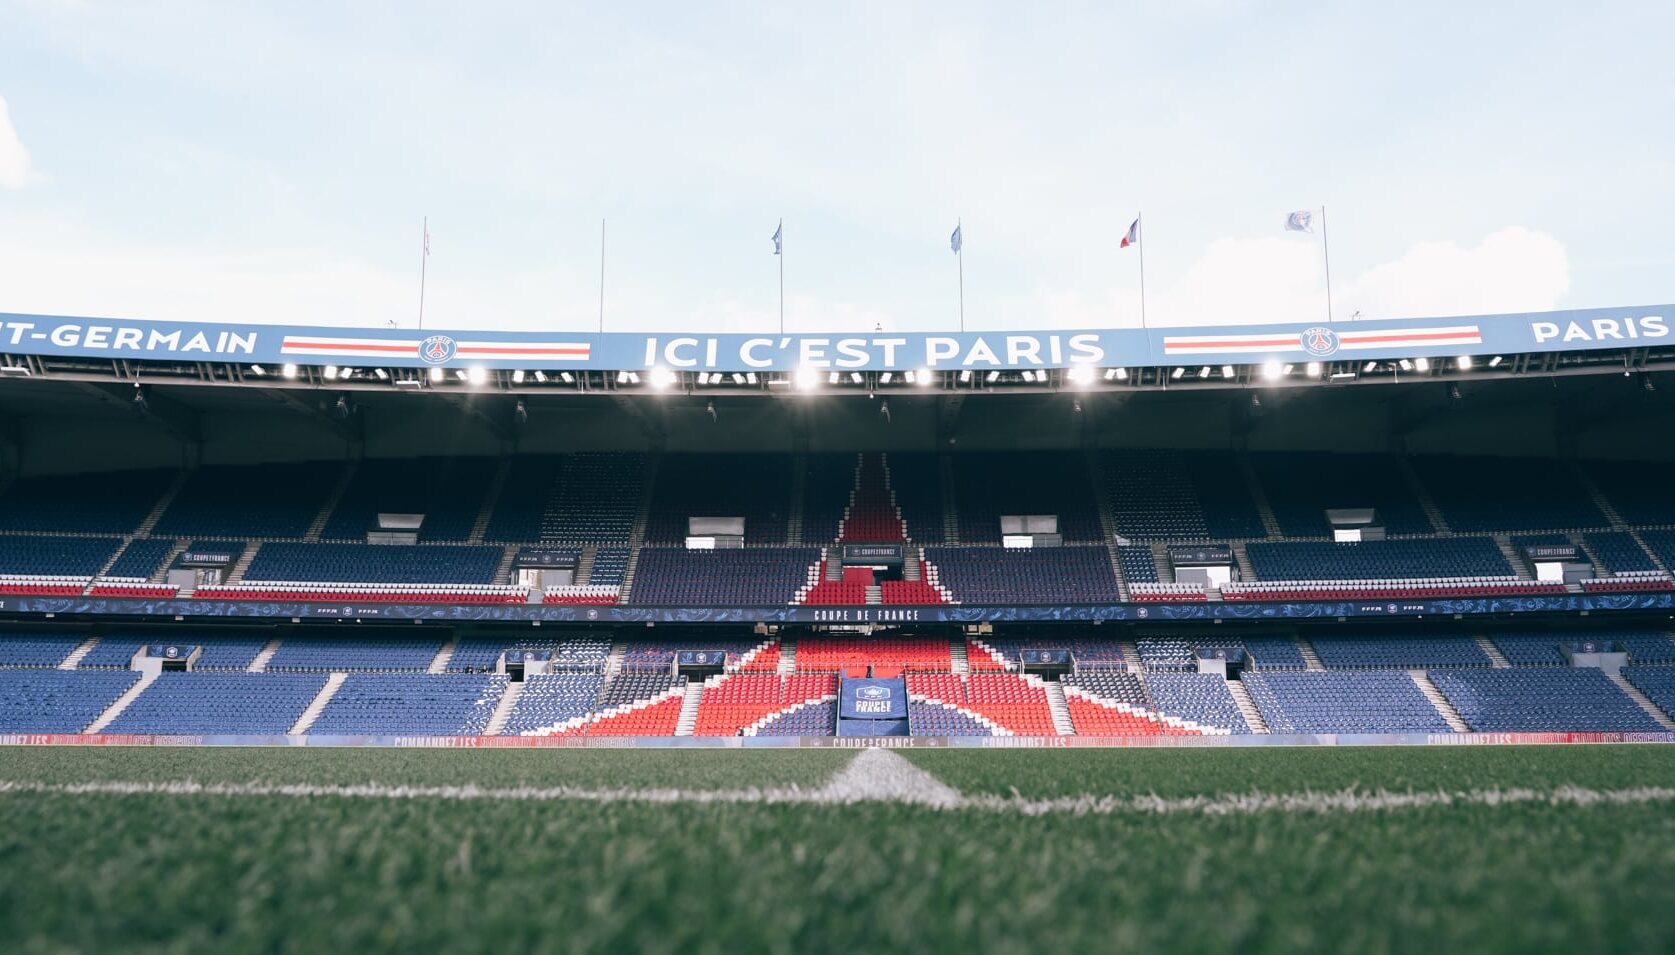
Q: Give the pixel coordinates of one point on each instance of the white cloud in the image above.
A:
(15, 170)
(1512, 270)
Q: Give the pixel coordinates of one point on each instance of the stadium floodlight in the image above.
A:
(517, 376)
(1288, 369)
(703, 377)
(1372, 366)
(258, 370)
(807, 377)
(1178, 372)
(330, 372)
(1122, 374)
(885, 378)
(382, 374)
(1495, 361)
(661, 378)
(477, 374)
(1463, 363)
(750, 376)
(1341, 375)
(633, 377)
(926, 379)
(1203, 372)
(992, 377)
(460, 374)
(857, 377)
(569, 379)
(541, 376)
(1271, 370)
(1312, 369)
(738, 379)
(622, 377)
(435, 374)
(1422, 364)
(289, 371)
(1227, 371)
(1406, 365)
(834, 377)
(1080, 374)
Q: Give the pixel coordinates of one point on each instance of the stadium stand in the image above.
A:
(221, 651)
(57, 701)
(99, 503)
(1657, 683)
(550, 702)
(835, 654)
(1301, 486)
(933, 718)
(1202, 698)
(570, 499)
(374, 563)
(1541, 700)
(755, 487)
(140, 559)
(46, 557)
(1477, 494)
(1359, 702)
(1178, 495)
(757, 576)
(448, 492)
(346, 653)
(1406, 559)
(480, 653)
(990, 575)
(268, 500)
(807, 719)
(219, 703)
(1639, 490)
(411, 705)
(1415, 652)
(23, 647)
(988, 486)
(916, 483)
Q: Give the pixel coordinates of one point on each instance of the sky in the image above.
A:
(274, 162)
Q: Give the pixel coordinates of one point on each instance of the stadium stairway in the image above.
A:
(1514, 559)
(1428, 504)
(1107, 522)
(794, 513)
(73, 660)
(788, 656)
(1444, 709)
(958, 661)
(1496, 657)
(1644, 702)
(1310, 659)
(688, 720)
(1059, 708)
(1130, 654)
(160, 575)
(444, 653)
(318, 525)
(950, 515)
(503, 709)
(121, 703)
(584, 564)
(318, 705)
(1247, 707)
(480, 526)
(1259, 497)
(260, 663)
(503, 570)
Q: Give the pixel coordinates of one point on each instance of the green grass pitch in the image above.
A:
(194, 872)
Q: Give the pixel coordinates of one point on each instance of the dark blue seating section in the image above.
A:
(757, 576)
(1399, 652)
(1181, 653)
(24, 647)
(1179, 495)
(219, 703)
(631, 686)
(141, 557)
(1662, 544)
(39, 556)
(266, 500)
(57, 701)
(552, 699)
(333, 652)
(1086, 650)
(1039, 575)
(756, 487)
(828, 481)
(916, 481)
(1370, 702)
(645, 653)
(936, 719)
(113, 502)
(374, 563)
(1619, 552)
(813, 719)
(1639, 490)
(570, 498)
(381, 704)
(1530, 649)
(221, 651)
(572, 651)
(1531, 701)
(990, 485)
(1378, 560)
(1301, 486)
(1137, 563)
(1657, 683)
(1118, 686)
(609, 566)
(1478, 494)
(1202, 698)
(449, 492)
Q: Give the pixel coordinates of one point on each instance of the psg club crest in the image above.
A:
(1319, 341)
(873, 693)
(437, 349)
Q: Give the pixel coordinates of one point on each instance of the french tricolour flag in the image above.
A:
(1133, 236)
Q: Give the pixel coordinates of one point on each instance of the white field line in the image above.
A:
(873, 777)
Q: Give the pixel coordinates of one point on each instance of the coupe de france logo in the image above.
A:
(437, 349)
(873, 693)
(1319, 341)
(172, 652)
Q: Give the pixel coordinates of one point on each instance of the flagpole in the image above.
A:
(1140, 217)
(1326, 252)
(781, 233)
(959, 257)
(601, 273)
(424, 260)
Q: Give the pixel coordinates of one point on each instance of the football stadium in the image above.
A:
(1334, 637)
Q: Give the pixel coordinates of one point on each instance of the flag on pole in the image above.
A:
(1132, 237)
(1300, 221)
(779, 238)
(955, 241)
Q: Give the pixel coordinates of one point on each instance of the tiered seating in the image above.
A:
(1534, 701)
(479, 653)
(638, 703)
(1137, 563)
(373, 593)
(911, 592)
(946, 687)
(758, 576)
(756, 487)
(448, 491)
(1545, 648)
(332, 652)
(378, 704)
(1181, 654)
(884, 654)
(1015, 702)
(930, 718)
(1657, 683)
(57, 701)
(552, 701)
(916, 483)
(1267, 653)
(1632, 581)
(1046, 575)
(817, 591)
(1417, 652)
(1086, 650)
(1478, 494)
(141, 558)
(1410, 588)
(29, 556)
(647, 654)
(221, 651)
(1639, 490)
(828, 487)
(736, 701)
(1116, 686)
(1530, 649)
(610, 564)
(989, 485)
(1175, 592)
(132, 589)
(374, 563)
(1301, 486)
(267, 500)
(220, 703)
(1367, 702)
(1179, 496)
(808, 719)
(113, 502)
(1662, 544)
(1116, 703)
(37, 648)
(569, 498)
(583, 594)
(1202, 698)
(1437, 558)
(633, 686)
(1166, 653)
(871, 514)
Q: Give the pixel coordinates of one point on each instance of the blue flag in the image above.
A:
(954, 241)
(779, 238)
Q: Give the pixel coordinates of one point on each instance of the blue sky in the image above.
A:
(272, 162)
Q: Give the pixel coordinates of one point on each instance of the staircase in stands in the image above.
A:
(161, 574)
(958, 660)
(503, 709)
(637, 537)
(121, 703)
(156, 514)
(1439, 524)
(1059, 708)
(503, 569)
(1644, 702)
(950, 514)
(444, 653)
(264, 656)
(73, 660)
(1247, 707)
(1496, 657)
(584, 564)
(1130, 654)
(235, 573)
(788, 655)
(318, 704)
(480, 526)
(1310, 658)
(1253, 484)
(692, 697)
(1444, 709)
(1107, 522)
(1614, 516)
(318, 525)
